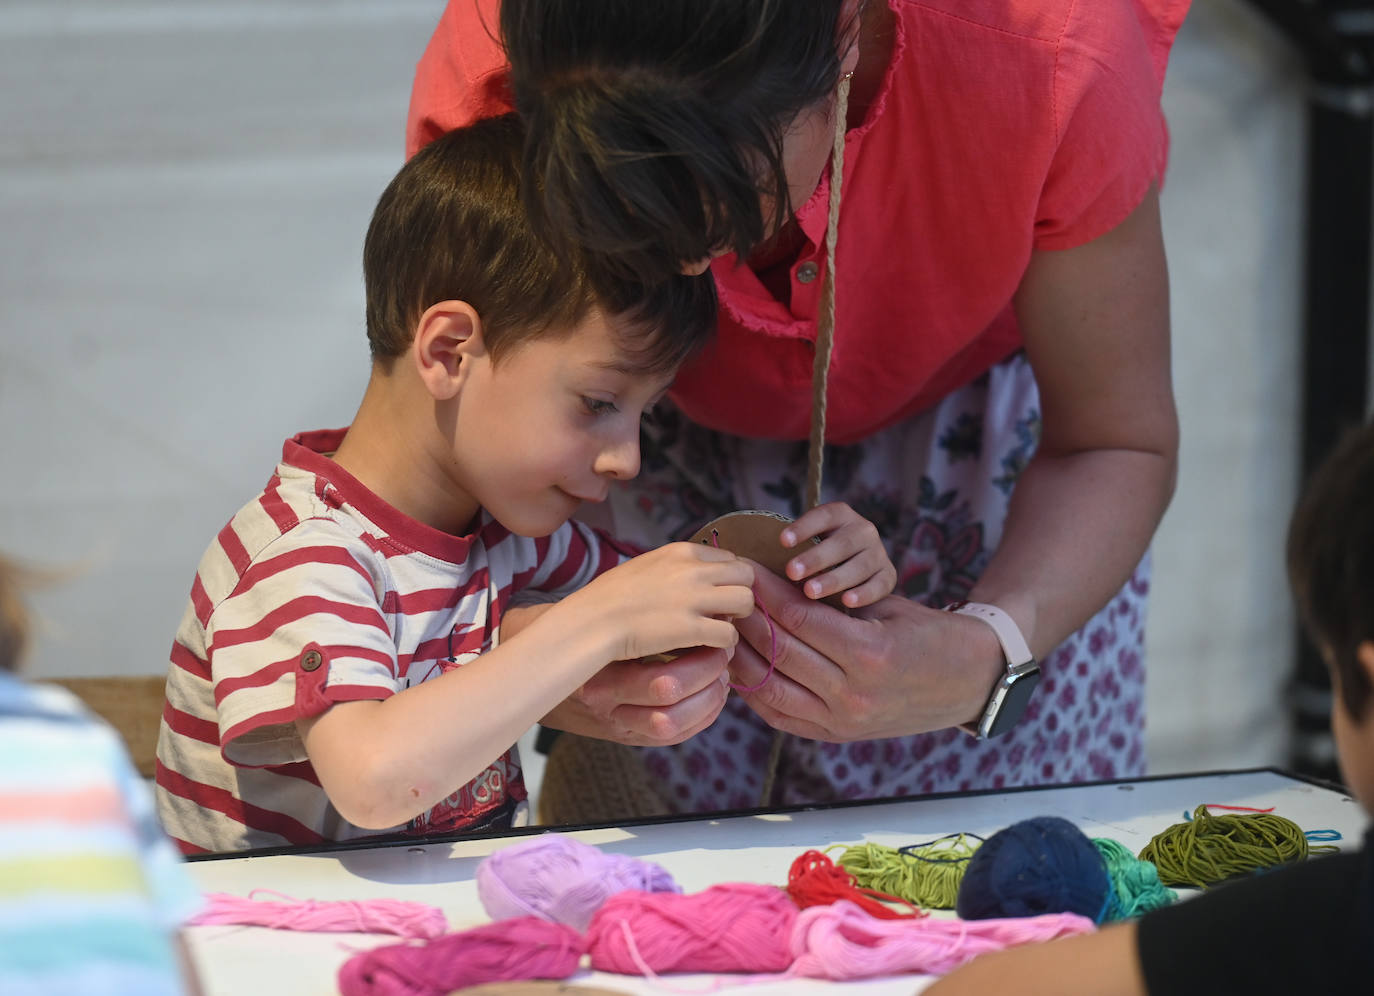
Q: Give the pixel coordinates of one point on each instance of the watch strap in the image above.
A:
(1021, 666)
(1014, 646)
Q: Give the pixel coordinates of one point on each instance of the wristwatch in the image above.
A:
(1012, 692)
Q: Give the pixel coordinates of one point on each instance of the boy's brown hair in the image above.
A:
(14, 620)
(1331, 562)
(451, 226)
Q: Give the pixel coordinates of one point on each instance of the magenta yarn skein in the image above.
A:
(561, 879)
(739, 927)
(526, 948)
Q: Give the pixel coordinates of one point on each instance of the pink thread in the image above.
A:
(561, 879)
(772, 635)
(841, 941)
(507, 951)
(372, 916)
(739, 927)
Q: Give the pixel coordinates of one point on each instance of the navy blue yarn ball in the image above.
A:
(1041, 865)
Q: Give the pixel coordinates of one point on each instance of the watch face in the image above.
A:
(1016, 697)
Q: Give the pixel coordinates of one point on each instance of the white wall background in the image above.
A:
(184, 188)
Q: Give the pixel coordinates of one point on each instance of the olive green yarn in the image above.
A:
(1210, 849)
(1136, 888)
(926, 875)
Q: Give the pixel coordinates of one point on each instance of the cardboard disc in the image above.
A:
(755, 533)
(751, 533)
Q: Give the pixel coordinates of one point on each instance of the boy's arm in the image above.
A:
(384, 762)
(1105, 963)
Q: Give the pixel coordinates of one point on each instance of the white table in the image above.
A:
(760, 847)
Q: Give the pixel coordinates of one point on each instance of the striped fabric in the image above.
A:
(91, 890)
(318, 592)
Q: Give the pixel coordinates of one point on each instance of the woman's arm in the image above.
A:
(1096, 325)
(1095, 321)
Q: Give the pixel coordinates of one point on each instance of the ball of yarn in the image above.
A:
(526, 948)
(737, 927)
(1038, 866)
(1136, 888)
(926, 874)
(1209, 849)
(815, 880)
(561, 879)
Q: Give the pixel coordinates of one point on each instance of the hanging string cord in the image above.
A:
(820, 370)
(825, 326)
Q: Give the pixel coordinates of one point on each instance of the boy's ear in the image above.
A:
(448, 340)
(1364, 656)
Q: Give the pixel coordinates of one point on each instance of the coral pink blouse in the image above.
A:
(1001, 127)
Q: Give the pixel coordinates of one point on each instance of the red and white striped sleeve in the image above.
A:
(572, 556)
(302, 629)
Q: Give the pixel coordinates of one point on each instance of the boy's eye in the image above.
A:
(596, 406)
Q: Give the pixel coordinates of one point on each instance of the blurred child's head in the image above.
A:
(1331, 569)
(14, 628)
(451, 226)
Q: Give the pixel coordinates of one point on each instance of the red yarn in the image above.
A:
(521, 948)
(815, 880)
(739, 927)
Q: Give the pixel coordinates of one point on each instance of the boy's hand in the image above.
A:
(849, 558)
(679, 595)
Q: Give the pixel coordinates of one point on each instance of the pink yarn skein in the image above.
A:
(841, 941)
(370, 916)
(561, 879)
(738, 927)
(527, 948)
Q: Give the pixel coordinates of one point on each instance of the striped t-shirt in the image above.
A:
(91, 890)
(318, 592)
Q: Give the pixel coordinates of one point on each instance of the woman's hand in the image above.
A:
(640, 703)
(892, 669)
(647, 704)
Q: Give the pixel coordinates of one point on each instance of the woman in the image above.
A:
(1000, 401)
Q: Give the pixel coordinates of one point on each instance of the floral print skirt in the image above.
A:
(936, 485)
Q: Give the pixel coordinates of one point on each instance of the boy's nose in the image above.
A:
(620, 461)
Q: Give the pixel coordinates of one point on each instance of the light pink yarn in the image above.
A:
(561, 880)
(841, 941)
(738, 927)
(371, 916)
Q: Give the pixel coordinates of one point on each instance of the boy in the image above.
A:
(1308, 928)
(340, 668)
(92, 893)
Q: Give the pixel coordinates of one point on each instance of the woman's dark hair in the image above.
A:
(451, 226)
(1331, 561)
(655, 126)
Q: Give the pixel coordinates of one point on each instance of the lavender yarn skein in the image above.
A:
(561, 880)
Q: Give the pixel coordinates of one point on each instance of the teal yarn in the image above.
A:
(1034, 867)
(1136, 888)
